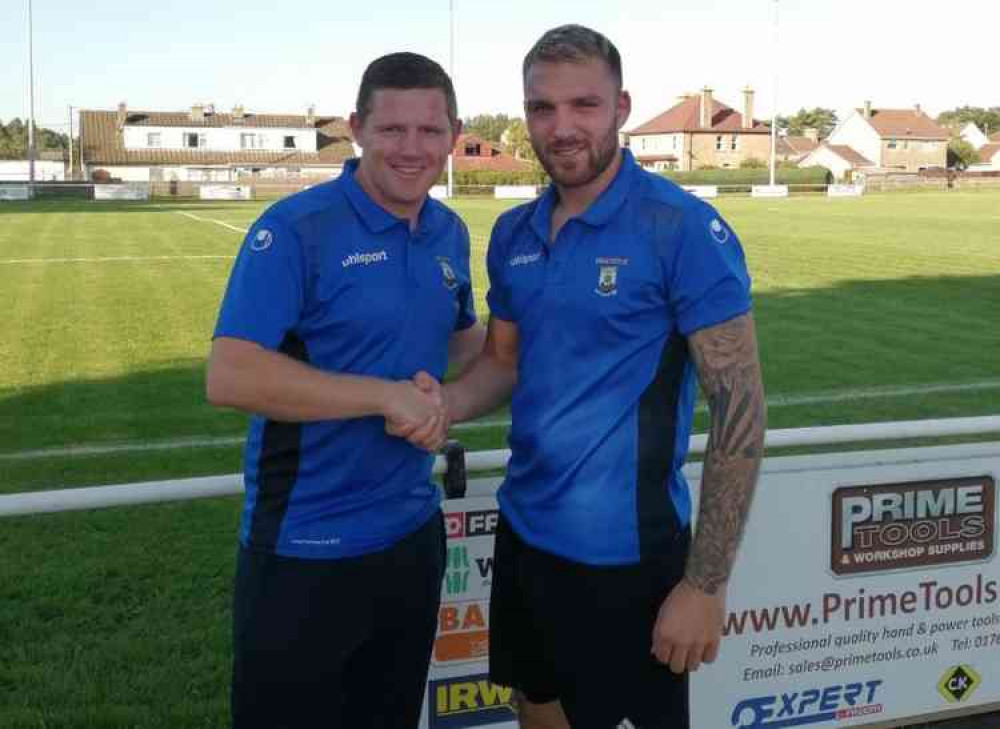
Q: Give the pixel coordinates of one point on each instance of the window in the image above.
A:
(471, 150)
(153, 139)
(289, 142)
(718, 143)
(194, 140)
(248, 141)
(732, 143)
(892, 144)
(673, 141)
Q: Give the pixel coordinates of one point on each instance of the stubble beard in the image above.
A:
(599, 158)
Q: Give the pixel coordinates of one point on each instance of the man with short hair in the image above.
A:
(341, 296)
(608, 295)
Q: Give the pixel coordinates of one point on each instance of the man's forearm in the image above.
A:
(728, 367)
(267, 383)
(484, 387)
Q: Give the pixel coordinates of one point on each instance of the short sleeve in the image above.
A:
(498, 296)
(706, 271)
(265, 295)
(466, 298)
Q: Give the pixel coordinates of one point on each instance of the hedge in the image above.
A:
(783, 176)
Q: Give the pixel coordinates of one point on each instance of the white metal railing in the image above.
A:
(97, 497)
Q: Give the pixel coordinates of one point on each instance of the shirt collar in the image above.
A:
(600, 211)
(376, 218)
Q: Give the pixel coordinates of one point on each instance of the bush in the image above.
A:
(752, 163)
(496, 177)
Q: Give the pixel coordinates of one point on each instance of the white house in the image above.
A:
(202, 145)
(973, 135)
(890, 139)
(841, 160)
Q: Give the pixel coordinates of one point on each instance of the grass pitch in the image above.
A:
(882, 308)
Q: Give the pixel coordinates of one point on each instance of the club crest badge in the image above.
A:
(448, 277)
(607, 275)
(607, 281)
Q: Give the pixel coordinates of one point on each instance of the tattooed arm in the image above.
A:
(689, 626)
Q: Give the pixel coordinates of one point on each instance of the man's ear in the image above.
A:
(356, 124)
(456, 130)
(624, 108)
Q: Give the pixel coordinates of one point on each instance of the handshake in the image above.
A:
(417, 410)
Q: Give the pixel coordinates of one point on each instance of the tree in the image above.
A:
(988, 120)
(518, 143)
(961, 154)
(487, 126)
(818, 118)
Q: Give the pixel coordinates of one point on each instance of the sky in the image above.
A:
(280, 57)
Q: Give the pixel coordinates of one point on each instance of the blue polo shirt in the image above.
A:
(601, 413)
(329, 278)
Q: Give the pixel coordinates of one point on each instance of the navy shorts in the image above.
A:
(338, 643)
(580, 634)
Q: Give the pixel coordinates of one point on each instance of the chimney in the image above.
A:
(209, 109)
(311, 116)
(197, 113)
(916, 108)
(748, 108)
(706, 108)
(122, 115)
(238, 113)
(811, 133)
(868, 110)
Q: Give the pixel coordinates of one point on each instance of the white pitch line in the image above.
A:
(113, 259)
(210, 220)
(226, 441)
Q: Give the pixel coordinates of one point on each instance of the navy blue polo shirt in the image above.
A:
(601, 413)
(328, 277)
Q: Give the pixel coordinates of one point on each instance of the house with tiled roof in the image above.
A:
(842, 160)
(700, 131)
(989, 158)
(794, 148)
(201, 145)
(475, 153)
(973, 135)
(889, 139)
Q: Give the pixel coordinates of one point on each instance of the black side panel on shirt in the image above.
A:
(657, 518)
(278, 467)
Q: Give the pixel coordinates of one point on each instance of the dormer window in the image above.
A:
(194, 140)
(289, 142)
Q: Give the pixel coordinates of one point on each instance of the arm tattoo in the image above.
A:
(729, 371)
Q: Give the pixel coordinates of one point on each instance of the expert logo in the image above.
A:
(921, 524)
(811, 706)
(468, 701)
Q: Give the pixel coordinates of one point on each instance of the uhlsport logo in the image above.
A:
(262, 240)
(895, 526)
(836, 702)
(958, 683)
(468, 701)
(719, 231)
(365, 259)
(463, 633)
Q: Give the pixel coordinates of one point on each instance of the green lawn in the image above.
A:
(882, 308)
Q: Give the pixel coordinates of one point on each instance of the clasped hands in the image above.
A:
(417, 411)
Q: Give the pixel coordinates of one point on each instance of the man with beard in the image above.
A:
(607, 296)
(339, 296)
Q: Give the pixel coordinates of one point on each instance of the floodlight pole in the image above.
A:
(451, 72)
(774, 110)
(31, 108)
